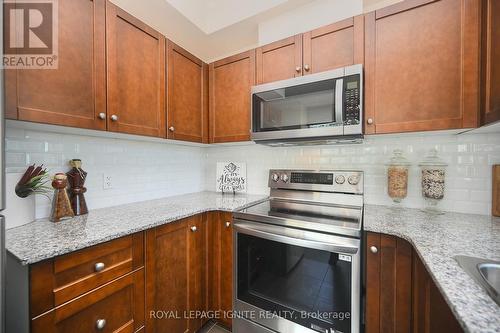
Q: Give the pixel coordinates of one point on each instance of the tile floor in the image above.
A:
(212, 327)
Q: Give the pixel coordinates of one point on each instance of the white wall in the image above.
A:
(140, 170)
(468, 179)
(307, 17)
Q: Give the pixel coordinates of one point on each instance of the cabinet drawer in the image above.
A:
(57, 281)
(115, 307)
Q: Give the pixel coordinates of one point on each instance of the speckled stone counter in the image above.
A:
(437, 239)
(43, 239)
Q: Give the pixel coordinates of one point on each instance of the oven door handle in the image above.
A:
(300, 238)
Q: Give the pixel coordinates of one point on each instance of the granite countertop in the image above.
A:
(437, 239)
(42, 239)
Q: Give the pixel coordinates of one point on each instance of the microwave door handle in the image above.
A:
(339, 101)
(277, 237)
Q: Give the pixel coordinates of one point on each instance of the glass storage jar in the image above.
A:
(433, 181)
(397, 176)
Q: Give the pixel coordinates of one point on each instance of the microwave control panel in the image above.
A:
(352, 113)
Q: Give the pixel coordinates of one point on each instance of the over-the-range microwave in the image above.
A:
(321, 108)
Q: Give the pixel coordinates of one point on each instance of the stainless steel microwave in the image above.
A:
(319, 108)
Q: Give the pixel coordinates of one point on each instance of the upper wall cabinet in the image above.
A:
(336, 45)
(333, 46)
(75, 93)
(136, 75)
(422, 66)
(280, 60)
(187, 95)
(230, 82)
(490, 100)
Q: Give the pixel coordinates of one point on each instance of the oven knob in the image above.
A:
(353, 180)
(275, 177)
(340, 179)
(284, 178)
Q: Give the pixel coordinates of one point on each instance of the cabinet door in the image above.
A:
(187, 90)
(280, 60)
(388, 284)
(167, 277)
(491, 62)
(421, 66)
(136, 75)
(115, 307)
(74, 94)
(230, 82)
(197, 270)
(431, 313)
(336, 45)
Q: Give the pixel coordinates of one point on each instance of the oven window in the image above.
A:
(314, 285)
(295, 107)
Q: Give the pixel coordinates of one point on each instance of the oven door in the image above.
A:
(304, 107)
(292, 280)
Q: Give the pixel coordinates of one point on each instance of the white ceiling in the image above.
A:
(214, 15)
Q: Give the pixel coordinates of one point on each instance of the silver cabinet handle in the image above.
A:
(171, 128)
(369, 121)
(373, 249)
(228, 224)
(297, 69)
(114, 117)
(102, 115)
(100, 324)
(99, 266)
(307, 68)
(193, 228)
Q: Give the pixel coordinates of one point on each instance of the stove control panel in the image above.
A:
(324, 180)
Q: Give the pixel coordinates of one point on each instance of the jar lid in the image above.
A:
(398, 158)
(432, 159)
(60, 176)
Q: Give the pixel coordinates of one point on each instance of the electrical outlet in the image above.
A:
(107, 182)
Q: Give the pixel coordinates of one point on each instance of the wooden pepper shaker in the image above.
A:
(76, 179)
(61, 207)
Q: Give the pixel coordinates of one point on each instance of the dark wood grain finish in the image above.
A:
(279, 60)
(336, 45)
(428, 89)
(56, 281)
(490, 99)
(120, 303)
(186, 95)
(388, 284)
(230, 82)
(136, 75)
(75, 93)
(197, 270)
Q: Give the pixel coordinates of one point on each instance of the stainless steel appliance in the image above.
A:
(319, 108)
(2, 195)
(297, 255)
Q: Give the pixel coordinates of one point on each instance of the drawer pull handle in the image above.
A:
(373, 249)
(193, 228)
(99, 266)
(228, 224)
(100, 324)
(102, 115)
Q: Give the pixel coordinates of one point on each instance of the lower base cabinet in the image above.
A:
(400, 294)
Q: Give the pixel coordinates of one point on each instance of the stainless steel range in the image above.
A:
(297, 255)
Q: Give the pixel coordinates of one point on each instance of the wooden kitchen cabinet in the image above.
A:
(74, 94)
(221, 265)
(490, 72)
(230, 82)
(336, 45)
(280, 60)
(174, 276)
(116, 307)
(422, 66)
(388, 284)
(135, 75)
(187, 95)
